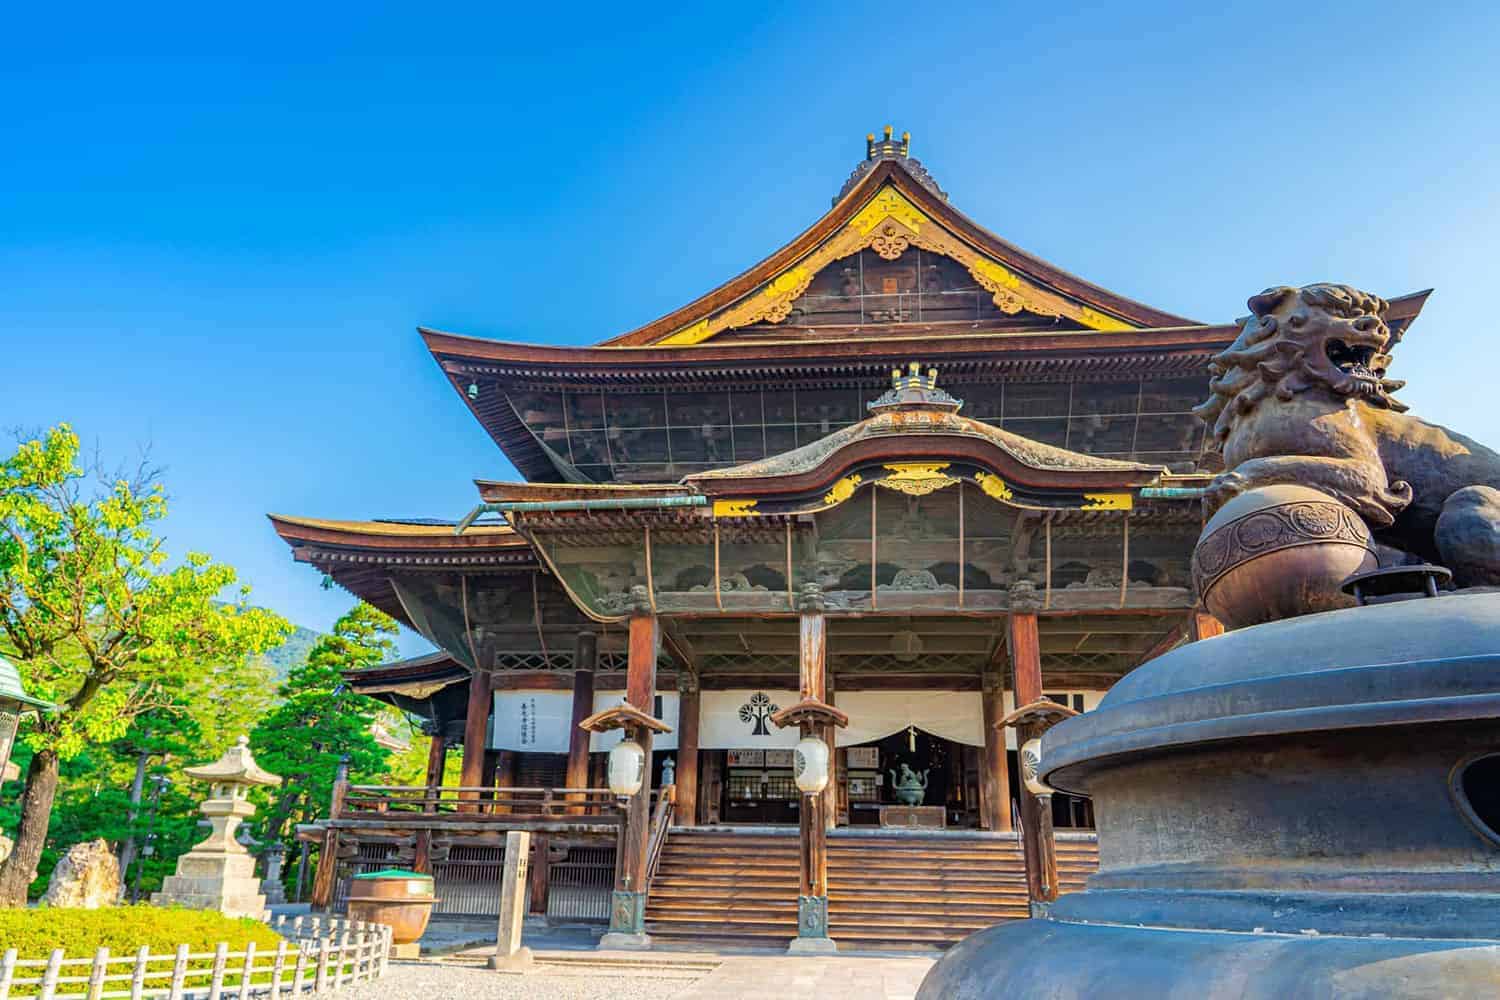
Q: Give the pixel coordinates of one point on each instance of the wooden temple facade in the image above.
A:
(890, 486)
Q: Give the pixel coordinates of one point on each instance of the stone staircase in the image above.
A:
(886, 891)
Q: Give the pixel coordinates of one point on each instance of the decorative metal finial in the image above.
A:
(887, 147)
(912, 390)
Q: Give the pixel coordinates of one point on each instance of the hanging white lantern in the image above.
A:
(627, 768)
(811, 765)
(1031, 768)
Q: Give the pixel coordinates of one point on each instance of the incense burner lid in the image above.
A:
(1411, 662)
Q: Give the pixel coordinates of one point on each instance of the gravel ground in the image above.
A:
(434, 981)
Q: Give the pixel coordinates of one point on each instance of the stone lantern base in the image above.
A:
(214, 880)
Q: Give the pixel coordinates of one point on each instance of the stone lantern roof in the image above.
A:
(236, 767)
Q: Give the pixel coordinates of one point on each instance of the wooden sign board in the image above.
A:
(863, 758)
(778, 758)
(747, 758)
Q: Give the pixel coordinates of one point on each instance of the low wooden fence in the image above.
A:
(315, 956)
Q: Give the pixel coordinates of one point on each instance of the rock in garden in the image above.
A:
(88, 876)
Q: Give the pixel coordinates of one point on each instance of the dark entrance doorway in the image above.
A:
(872, 768)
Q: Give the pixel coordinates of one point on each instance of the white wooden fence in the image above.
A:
(314, 956)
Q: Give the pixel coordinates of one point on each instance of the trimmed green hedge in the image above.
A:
(123, 929)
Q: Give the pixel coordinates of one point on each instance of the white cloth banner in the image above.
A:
(600, 742)
(741, 720)
(874, 715)
(734, 720)
(540, 721)
(533, 721)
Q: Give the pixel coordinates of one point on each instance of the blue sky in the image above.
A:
(219, 227)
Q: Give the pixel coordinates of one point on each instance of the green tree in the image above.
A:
(320, 722)
(102, 624)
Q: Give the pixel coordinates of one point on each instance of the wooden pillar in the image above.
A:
(831, 793)
(502, 774)
(585, 658)
(994, 769)
(476, 726)
(541, 872)
(688, 712)
(1024, 646)
(812, 892)
(437, 758)
(326, 875)
(627, 921)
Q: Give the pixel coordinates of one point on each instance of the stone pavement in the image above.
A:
(456, 955)
(743, 977)
(715, 976)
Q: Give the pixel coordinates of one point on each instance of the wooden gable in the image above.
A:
(891, 253)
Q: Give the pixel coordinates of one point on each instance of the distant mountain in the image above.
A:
(293, 653)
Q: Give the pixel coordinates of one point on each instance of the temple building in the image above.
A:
(890, 486)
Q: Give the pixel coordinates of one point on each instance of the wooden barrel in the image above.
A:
(400, 899)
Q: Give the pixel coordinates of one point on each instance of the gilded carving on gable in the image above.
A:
(888, 204)
(890, 225)
(890, 243)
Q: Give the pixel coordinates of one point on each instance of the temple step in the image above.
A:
(885, 893)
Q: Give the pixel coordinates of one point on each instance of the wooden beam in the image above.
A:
(679, 649)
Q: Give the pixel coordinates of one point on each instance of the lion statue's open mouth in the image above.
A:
(1354, 360)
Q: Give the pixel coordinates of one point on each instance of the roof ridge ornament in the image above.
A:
(915, 391)
(890, 148)
(887, 148)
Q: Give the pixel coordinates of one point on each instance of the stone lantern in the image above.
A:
(219, 873)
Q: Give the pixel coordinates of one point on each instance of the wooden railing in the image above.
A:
(320, 956)
(592, 805)
(661, 822)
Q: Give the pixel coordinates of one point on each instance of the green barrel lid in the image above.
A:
(394, 873)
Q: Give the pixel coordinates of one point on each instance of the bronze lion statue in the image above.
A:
(1302, 396)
